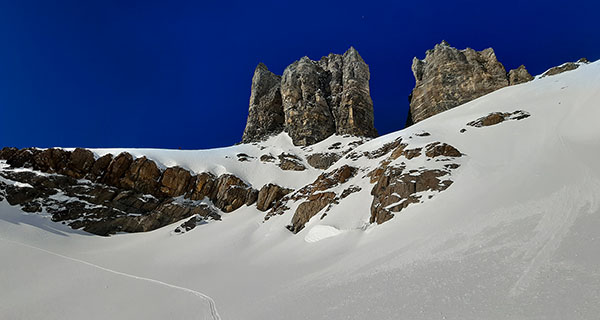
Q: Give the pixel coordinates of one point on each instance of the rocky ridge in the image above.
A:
(124, 193)
(312, 100)
(120, 194)
(567, 66)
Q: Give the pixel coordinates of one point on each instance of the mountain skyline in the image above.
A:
(174, 76)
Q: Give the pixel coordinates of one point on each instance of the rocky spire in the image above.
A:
(449, 77)
(317, 99)
(265, 114)
(354, 114)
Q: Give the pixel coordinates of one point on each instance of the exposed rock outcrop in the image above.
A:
(322, 160)
(449, 77)
(269, 194)
(288, 161)
(519, 75)
(396, 187)
(121, 194)
(315, 100)
(498, 117)
(315, 196)
(265, 114)
(568, 66)
(175, 181)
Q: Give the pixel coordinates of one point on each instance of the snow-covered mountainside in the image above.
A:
(486, 211)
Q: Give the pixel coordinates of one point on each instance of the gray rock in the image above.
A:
(322, 160)
(317, 99)
(265, 114)
(449, 77)
(519, 75)
(305, 90)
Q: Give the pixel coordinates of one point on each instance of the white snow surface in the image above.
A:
(516, 236)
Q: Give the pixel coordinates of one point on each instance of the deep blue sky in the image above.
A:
(177, 74)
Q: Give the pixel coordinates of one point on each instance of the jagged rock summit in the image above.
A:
(312, 100)
(449, 77)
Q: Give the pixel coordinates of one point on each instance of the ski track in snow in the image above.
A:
(213, 308)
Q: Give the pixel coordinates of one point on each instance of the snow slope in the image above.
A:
(515, 237)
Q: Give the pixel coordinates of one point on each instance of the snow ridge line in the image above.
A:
(213, 308)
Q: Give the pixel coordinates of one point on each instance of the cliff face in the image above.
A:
(312, 100)
(265, 114)
(449, 77)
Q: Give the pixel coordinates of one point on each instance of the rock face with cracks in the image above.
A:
(312, 100)
(265, 114)
(449, 77)
(119, 194)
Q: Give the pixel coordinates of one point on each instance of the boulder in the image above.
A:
(231, 192)
(396, 189)
(117, 169)
(203, 186)
(23, 158)
(143, 175)
(268, 195)
(80, 163)
(495, 118)
(99, 167)
(309, 208)
(437, 149)
(175, 181)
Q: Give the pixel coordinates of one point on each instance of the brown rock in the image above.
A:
(329, 96)
(354, 113)
(117, 169)
(437, 149)
(498, 117)
(268, 195)
(304, 90)
(267, 158)
(7, 152)
(412, 153)
(230, 193)
(308, 209)
(396, 189)
(519, 75)
(251, 197)
(99, 167)
(203, 186)
(143, 176)
(23, 158)
(80, 163)
(385, 149)
(175, 181)
(52, 160)
(350, 190)
(336, 177)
